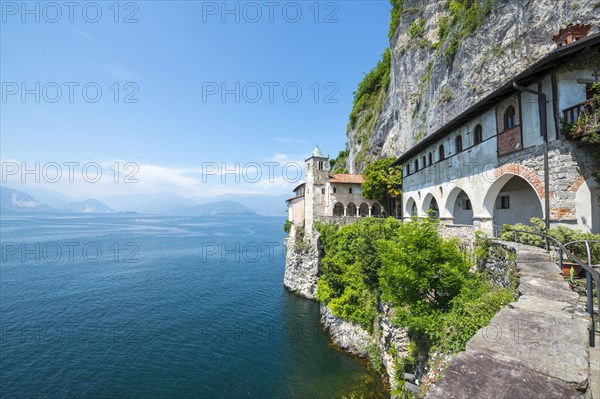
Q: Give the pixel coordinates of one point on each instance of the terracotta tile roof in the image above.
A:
(345, 178)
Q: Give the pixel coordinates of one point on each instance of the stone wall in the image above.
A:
(464, 233)
(500, 264)
(568, 163)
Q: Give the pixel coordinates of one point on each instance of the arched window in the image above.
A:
(478, 134)
(430, 158)
(322, 191)
(441, 152)
(459, 146)
(416, 165)
(510, 119)
(334, 190)
(424, 161)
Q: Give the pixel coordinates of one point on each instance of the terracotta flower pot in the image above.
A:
(566, 269)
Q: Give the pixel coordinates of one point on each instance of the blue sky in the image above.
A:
(175, 61)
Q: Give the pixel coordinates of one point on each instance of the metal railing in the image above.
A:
(592, 275)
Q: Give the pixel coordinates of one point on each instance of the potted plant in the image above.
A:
(571, 269)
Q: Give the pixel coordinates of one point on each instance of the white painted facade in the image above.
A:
(509, 162)
(328, 196)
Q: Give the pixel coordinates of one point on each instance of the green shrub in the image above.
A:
(350, 268)
(561, 233)
(425, 277)
(287, 226)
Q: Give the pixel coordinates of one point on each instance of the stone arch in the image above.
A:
(363, 210)
(411, 208)
(351, 209)
(527, 174)
(457, 206)
(338, 209)
(376, 209)
(431, 204)
(576, 184)
(526, 205)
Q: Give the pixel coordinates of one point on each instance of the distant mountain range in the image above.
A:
(217, 208)
(88, 206)
(49, 201)
(17, 201)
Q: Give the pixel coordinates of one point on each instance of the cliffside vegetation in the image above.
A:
(460, 20)
(339, 164)
(408, 265)
(588, 126)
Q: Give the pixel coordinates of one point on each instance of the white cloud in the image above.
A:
(116, 177)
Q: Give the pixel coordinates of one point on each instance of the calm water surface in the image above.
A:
(159, 306)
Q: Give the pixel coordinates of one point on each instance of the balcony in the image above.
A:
(580, 119)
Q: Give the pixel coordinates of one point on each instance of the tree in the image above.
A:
(381, 181)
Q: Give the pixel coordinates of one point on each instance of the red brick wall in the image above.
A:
(509, 141)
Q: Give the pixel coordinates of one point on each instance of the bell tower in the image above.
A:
(317, 177)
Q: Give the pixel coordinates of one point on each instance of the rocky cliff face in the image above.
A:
(302, 264)
(438, 68)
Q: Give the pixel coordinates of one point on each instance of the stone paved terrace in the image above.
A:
(537, 347)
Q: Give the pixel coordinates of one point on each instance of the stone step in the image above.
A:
(556, 346)
(472, 375)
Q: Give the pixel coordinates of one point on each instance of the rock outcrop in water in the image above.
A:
(301, 275)
(302, 264)
(436, 73)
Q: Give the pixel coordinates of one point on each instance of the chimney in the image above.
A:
(571, 34)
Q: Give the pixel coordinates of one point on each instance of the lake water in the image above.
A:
(160, 306)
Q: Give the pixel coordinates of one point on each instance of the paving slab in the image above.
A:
(545, 269)
(475, 376)
(548, 306)
(554, 346)
(546, 288)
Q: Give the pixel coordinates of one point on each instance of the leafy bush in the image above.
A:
(561, 233)
(409, 265)
(287, 226)
(350, 268)
(436, 296)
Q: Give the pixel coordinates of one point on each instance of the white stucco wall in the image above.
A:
(570, 92)
(524, 204)
(588, 217)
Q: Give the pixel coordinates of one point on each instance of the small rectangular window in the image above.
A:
(334, 190)
(505, 202)
(350, 190)
(468, 205)
(322, 191)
